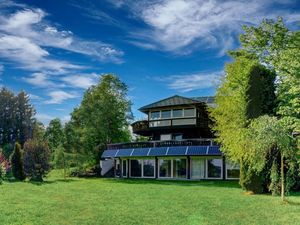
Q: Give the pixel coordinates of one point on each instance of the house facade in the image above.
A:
(179, 144)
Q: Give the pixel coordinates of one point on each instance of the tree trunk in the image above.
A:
(282, 178)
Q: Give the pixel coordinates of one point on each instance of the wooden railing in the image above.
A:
(169, 143)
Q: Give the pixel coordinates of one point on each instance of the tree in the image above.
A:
(55, 134)
(36, 159)
(269, 138)
(60, 160)
(245, 93)
(101, 118)
(17, 163)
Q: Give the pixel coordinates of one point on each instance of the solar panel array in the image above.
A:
(164, 151)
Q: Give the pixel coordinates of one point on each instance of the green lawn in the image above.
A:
(110, 201)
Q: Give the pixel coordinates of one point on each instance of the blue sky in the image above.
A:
(54, 49)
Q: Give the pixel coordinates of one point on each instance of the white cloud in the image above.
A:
(181, 26)
(59, 96)
(34, 97)
(39, 80)
(81, 81)
(44, 118)
(191, 82)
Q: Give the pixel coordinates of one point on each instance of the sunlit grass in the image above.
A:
(110, 201)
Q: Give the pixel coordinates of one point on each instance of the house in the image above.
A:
(180, 144)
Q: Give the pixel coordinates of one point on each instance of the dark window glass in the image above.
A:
(166, 114)
(124, 172)
(177, 112)
(214, 168)
(179, 168)
(165, 168)
(149, 168)
(136, 168)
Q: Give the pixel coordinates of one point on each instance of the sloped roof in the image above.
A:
(176, 100)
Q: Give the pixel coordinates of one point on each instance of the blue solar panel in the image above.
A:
(180, 150)
(197, 150)
(109, 153)
(158, 151)
(124, 152)
(214, 150)
(140, 152)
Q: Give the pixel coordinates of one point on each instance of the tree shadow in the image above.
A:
(45, 182)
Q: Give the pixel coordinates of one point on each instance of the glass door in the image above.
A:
(124, 168)
(197, 168)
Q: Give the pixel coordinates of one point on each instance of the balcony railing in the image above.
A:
(169, 143)
(140, 126)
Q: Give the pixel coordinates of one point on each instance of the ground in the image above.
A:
(112, 201)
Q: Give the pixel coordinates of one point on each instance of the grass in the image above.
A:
(112, 201)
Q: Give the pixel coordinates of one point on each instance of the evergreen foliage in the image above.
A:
(36, 159)
(16, 161)
(54, 134)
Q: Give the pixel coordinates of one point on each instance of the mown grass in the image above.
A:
(111, 201)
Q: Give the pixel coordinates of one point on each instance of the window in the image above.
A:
(118, 168)
(189, 113)
(155, 115)
(166, 114)
(177, 137)
(178, 122)
(135, 168)
(232, 170)
(177, 112)
(179, 168)
(214, 168)
(165, 167)
(162, 123)
(165, 137)
(124, 168)
(198, 168)
(148, 167)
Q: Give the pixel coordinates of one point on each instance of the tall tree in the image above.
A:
(16, 161)
(246, 92)
(55, 134)
(102, 116)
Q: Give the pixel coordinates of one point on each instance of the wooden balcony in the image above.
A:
(169, 143)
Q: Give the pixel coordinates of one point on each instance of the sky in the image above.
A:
(55, 50)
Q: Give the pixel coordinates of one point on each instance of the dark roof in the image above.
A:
(177, 100)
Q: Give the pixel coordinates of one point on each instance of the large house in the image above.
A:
(180, 144)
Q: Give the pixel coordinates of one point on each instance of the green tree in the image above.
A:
(55, 134)
(102, 117)
(16, 161)
(60, 160)
(36, 159)
(245, 93)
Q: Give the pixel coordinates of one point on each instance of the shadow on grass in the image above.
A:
(45, 182)
(207, 183)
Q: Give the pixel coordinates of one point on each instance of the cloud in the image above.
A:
(59, 96)
(39, 80)
(44, 118)
(83, 81)
(25, 35)
(34, 97)
(191, 82)
(181, 26)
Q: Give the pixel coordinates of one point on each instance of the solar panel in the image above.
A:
(180, 150)
(158, 151)
(140, 152)
(214, 150)
(197, 150)
(124, 152)
(109, 153)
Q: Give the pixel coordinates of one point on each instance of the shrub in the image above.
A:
(36, 159)
(17, 163)
(4, 167)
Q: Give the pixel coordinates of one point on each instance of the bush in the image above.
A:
(36, 159)
(17, 163)
(4, 167)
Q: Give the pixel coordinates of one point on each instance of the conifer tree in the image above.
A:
(17, 163)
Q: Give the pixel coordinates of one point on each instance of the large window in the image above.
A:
(135, 168)
(124, 168)
(179, 168)
(189, 113)
(148, 167)
(165, 114)
(155, 115)
(214, 168)
(197, 168)
(177, 113)
(161, 123)
(165, 168)
(179, 122)
(232, 170)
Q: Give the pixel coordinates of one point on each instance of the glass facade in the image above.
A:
(179, 168)
(155, 115)
(177, 113)
(197, 168)
(165, 167)
(148, 167)
(166, 114)
(214, 168)
(135, 168)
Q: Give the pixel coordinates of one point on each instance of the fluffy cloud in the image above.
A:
(181, 26)
(81, 81)
(59, 96)
(191, 82)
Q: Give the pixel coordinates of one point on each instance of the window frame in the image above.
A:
(226, 173)
(214, 178)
